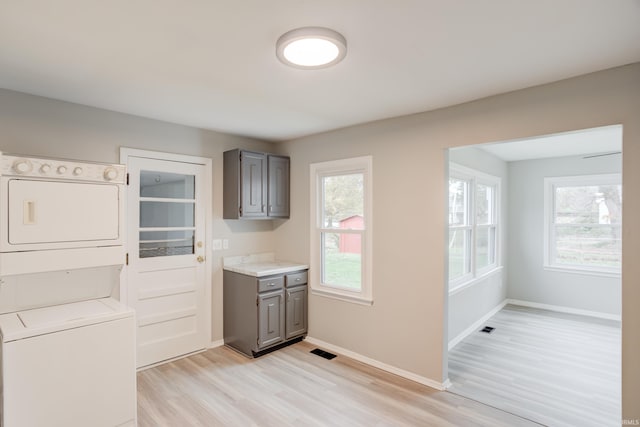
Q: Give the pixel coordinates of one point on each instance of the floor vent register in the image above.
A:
(323, 353)
(487, 329)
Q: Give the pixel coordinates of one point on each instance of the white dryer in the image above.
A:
(69, 365)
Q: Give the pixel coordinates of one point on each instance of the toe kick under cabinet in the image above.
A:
(261, 313)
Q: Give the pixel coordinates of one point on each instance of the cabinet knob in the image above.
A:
(200, 258)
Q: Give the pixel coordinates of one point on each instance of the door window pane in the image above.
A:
(167, 185)
(166, 214)
(343, 201)
(340, 267)
(166, 243)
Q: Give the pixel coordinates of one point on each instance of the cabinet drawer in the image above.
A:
(270, 284)
(295, 279)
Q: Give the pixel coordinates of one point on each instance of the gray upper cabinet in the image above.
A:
(256, 185)
(278, 194)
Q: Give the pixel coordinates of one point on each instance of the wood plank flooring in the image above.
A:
(553, 368)
(291, 387)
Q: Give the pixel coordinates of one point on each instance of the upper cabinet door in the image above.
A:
(253, 187)
(278, 187)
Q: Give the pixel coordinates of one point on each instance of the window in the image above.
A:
(473, 224)
(341, 229)
(584, 223)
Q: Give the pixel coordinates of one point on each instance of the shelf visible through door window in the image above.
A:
(167, 206)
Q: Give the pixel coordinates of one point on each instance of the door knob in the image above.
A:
(200, 258)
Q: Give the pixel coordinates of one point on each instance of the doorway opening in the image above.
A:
(534, 290)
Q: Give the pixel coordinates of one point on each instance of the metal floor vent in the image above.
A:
(487, 329)
(323, 353)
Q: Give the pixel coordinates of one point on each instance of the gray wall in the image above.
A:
(39, 126)
(527, 278)
(468, 305)
(405, 327)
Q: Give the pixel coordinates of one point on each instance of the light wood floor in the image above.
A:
(553, 368)
(291, 387)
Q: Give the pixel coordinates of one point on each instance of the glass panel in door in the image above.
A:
(167, 214)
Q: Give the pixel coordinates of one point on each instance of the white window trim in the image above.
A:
(362, 165)
(576, 180)
(478, 177)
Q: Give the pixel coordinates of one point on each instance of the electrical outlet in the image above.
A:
(217, 244)
(225, 244)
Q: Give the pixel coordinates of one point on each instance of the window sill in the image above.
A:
(462, 286)
(582, 271)
(342, 297)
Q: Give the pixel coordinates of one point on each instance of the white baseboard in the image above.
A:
(563, 309)
(377, 364)
(217, 343)
(471, 329)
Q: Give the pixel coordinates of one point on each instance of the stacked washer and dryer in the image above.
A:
(67, 345)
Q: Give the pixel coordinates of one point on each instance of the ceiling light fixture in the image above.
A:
(311, 48)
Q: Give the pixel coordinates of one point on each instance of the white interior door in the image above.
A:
(166, 274)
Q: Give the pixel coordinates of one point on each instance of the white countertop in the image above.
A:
(259, 265)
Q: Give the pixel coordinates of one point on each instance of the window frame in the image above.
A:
(318, 171)
(550, 184)
(474, 178)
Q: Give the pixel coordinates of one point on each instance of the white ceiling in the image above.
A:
(212, 64)
(586, 142)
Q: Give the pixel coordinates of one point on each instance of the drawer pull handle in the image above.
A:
(298, 279)
(271, 284)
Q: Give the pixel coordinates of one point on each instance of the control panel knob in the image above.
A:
(22, 166)
(62, 169)
(110, 174)
(45, 168)
(77, 171)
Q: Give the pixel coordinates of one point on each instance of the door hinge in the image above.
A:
(240, 156)
(127, 178)
(240, 210)
(126, 259)
(257, 301)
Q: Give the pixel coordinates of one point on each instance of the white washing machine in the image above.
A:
(69, 365)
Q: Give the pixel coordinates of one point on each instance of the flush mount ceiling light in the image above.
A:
(311, 48)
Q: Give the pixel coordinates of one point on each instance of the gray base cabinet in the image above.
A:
(260, 313)
(270, 318)
(296, 312)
